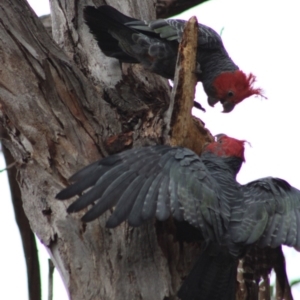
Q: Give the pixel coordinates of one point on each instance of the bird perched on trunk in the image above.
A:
(154, 44)
(163, 181)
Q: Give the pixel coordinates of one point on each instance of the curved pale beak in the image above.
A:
(227, 106)
(212, 101)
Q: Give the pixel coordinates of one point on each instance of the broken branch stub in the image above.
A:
(184, 129)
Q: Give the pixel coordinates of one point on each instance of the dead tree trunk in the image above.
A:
(64, 105)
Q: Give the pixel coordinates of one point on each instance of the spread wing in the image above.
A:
(270, 214)
(146, 182)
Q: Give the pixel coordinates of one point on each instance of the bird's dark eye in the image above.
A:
(230, 94)
(218, 137)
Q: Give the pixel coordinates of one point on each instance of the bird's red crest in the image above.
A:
(237, 84)
(226, 146)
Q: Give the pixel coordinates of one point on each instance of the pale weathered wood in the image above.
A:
(65, 105)
(182, 127)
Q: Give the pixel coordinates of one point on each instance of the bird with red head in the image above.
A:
(162, 181)
(154, 44)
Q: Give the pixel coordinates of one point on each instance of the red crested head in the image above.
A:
(226, 146)
(233, 87)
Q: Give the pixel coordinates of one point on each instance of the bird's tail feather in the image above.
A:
(107, 26)
(213, 277)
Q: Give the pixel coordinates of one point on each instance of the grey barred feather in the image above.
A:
(85, 172)
(268, 215)
(125, 203)
(154, 44)
(158, 181)
(135, 216)
(297, 233)
(109, 197)
(168, 29)
(150, 201)
(291, 236)
(102, 183)
(176, 207)
(164, 181)
(163, 200)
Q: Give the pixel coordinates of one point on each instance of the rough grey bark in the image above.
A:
(65, 105)
(26, 234)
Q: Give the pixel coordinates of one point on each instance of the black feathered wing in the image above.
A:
(154, 44)
(128, 44)
(172, 30)
(155, 181)
(269, 214)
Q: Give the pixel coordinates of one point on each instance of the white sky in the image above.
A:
(262, 37)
